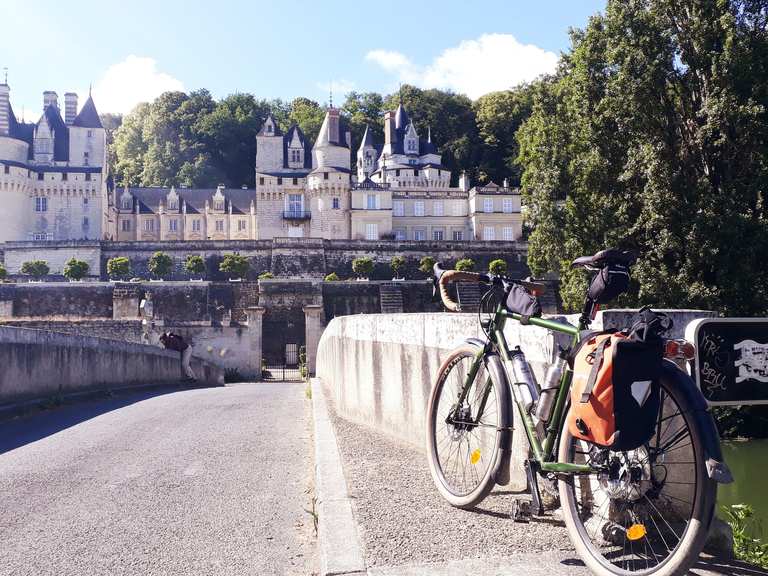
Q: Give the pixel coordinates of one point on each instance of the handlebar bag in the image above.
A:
(608, 283)
(522, 302)
(615, 391)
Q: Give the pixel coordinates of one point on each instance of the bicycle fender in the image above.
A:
(717, 469)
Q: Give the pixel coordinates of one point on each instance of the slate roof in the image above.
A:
(20, 131)
(149, 199)
(367, 138)
(60, 133)
(88, 117)
(277, 131)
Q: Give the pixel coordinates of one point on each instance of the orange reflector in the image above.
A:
(475, 456)
(636, 531)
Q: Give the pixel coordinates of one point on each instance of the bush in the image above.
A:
(3, 273)
(426, 264)
(362, 267)
(35, 268)
(76, 269)
(194, 265)
(266, 276)
(465, 265)
(235, 265)
(118, 267)
(332, 277)
(498, 267)
(160, 264)
(397, 263)
(746, 546)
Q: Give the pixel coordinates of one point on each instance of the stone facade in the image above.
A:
(399, 190)
(53, 181)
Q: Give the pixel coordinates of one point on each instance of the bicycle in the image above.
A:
(647, 511)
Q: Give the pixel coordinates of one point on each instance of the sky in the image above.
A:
(131, 51)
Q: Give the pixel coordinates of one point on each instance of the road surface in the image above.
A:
(201, 481)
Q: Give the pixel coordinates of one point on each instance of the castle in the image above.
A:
(52, 172)
(54, 187)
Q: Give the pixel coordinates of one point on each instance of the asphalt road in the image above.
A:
(203, 481)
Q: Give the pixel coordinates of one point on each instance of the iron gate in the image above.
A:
(283, 367)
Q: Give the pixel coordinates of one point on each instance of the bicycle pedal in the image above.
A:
(537, 508)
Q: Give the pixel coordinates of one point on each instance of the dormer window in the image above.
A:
(412, 146)
(269, 128)
(126, 203)
(218, 205)
(173, 204)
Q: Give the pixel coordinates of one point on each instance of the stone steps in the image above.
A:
(391, 298)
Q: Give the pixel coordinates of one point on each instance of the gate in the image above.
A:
(282, 339)
(284, 368)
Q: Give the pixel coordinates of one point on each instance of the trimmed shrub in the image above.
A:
(76, 269)
(118, 267)
(426, 264)
(194, 265)
(3, 273)
(362, 267)
(332, 277)
(235, 265)
(397, 263)
(160, 264)
(465, 265)
(35, 268)
(498, 267)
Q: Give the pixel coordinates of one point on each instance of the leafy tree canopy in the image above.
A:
(118, 267)
(76, 269)
(35, 268)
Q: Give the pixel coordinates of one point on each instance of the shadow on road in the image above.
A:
(708, 565)
(39, 424)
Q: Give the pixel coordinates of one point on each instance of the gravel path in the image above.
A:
(403, 520)
(204, 481)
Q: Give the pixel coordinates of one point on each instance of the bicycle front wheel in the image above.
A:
(466, 420)
(649, 510)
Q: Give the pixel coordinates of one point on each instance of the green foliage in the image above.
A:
(746, 547)
(332, 277)
(35, 268)
(3, 273)
(266, 276)
(465, 265)
(235, 265)
(76, 269)
(194, 264)
(397, 263)
(362, 267)
(426, 264)
(160, 264)
(651, 136)
(498, 267)
(118, 267)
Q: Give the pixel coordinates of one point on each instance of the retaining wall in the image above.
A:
(37, 364)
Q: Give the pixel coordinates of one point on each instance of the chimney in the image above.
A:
(464, 182)
(50, 98)
(389, 130)
(4, 109)
(70, 107)
(333, 125)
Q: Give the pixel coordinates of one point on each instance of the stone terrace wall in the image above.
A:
(55, 253)
(59, 299)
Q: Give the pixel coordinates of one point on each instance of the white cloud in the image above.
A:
(340, 88)
(130, 82)
(474, 67)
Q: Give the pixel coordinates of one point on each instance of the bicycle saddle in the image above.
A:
(604, 258)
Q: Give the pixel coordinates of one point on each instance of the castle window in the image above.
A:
(149, 225)
(279, 181)
(372, 231)
(437, 208)
(295, 181)
(40, 175)
(85, 158)
(400, 235)
(506, 205)
(507, 233)
(196, 225)
(458, 235)
(325, 175)
(437, 235)
(487, 205)
(88, 177)
(261, 181)
(411, 145)
(90, 133)
(86, 222)
(218, 204)
(269, 128)
(336, 203)
(41, 204)
(126, 204)
(173, 225)
(418, 208)
(241, 225)
(489, 233)
(398, 208)
(85, 202)
(372, 201)
(219, 225)
(7, 169)
(419, 235)
(64, 176)
(416, 172)
(397, 172)
(126, 225)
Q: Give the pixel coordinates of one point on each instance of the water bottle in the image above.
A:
(549, 388)
(523, 380)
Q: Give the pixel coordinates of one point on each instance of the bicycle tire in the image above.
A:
(496, 433)
(688, 546)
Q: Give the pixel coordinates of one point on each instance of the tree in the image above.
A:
(426, 264)
(498, 267)
(308, 115)
(194, 265)
(332, 277)
(3, 273)
(397, 263)
(235, 265)
(364, 109)
(465, 265)
(76, 269)
(35, 268)
(362, 267)
(266, 276)
(654, 131)
(119, 268)
(160, 265)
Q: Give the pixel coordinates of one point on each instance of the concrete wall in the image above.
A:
(379, 369)
(39, 364)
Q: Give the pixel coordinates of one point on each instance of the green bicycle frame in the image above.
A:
(543, 453)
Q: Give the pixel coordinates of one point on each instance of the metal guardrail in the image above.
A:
(297, 215)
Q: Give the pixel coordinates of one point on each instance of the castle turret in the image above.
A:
(332, 146)
(70, 107)
(269, 146)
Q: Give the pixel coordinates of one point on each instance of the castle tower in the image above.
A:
(269, 146)
(366, 156)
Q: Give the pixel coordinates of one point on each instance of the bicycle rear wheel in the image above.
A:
(650, 509)
(465, 430)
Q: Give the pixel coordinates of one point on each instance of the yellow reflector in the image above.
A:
(636, 531)
(475, 456)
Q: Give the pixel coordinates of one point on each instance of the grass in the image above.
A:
(746, 546)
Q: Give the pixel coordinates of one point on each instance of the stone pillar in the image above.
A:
(125, 302)
(6, 308)
(254, 314)
(313, 326)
